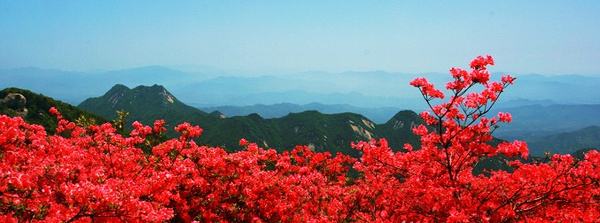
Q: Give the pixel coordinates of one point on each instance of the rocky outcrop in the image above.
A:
(16, 102)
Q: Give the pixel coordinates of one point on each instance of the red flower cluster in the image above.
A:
(504, 117)
(94, 174)
(188, 131)
(480, 62)
(427, 89)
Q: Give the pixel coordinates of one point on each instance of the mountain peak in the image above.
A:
(155, 91)
(218, 114)
(405, 115)
(119, 88)
(403, 119)
(115, 93)
(154, 87)
(154, 99)
(143, 92)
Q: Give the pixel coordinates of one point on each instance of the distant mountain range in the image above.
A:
(210, 87)
(566, 142)
(532, 121)
(540, 125)
(377, 115)
(532, 117)
(331, 132)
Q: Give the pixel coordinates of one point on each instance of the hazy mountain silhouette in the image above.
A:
(539, 120)
(362, 89)
(377, 115)
(566, 142)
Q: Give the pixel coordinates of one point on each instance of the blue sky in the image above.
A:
(548, 37)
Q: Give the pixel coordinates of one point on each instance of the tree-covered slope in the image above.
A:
(566, 142)
(398, 130)
(332, 132)
(34, 108)
(143, 103)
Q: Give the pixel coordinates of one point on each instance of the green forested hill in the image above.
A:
(143, 103)
(34, 108)
(398, 130)
(567, 142)
(331, 132)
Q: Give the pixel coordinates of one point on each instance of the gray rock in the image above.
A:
(15, 102)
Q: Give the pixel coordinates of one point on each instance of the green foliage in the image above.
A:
(119, 121)
(85, 121)
(38, 106)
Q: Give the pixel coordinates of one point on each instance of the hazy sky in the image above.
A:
(547, 37)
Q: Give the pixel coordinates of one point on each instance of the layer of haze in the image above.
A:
(549, 37)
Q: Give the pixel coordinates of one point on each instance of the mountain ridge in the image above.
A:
(378, 115)
(214, 88)
(331, 132)
(567, 142)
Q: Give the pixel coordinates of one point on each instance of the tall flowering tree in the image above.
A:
(436, 182)
(95, 174)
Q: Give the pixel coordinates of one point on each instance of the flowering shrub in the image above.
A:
(85, 174)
